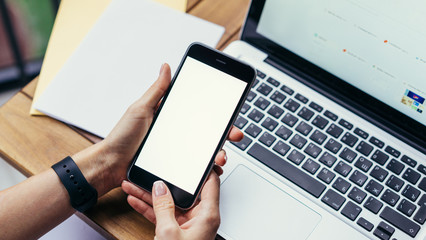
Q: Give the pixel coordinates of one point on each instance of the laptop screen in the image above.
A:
(374, 46)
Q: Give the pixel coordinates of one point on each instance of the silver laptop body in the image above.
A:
(334, 128)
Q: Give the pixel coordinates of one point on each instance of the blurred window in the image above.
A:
(25, 27)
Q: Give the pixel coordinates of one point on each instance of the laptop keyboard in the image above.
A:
(332, 159)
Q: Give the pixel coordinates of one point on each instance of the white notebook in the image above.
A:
(118, 60)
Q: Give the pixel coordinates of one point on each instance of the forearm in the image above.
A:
(33, 207)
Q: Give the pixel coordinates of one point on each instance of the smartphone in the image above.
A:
(192, 123)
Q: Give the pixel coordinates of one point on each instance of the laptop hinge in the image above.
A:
(349, 104)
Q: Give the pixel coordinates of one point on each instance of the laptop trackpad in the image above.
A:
(253, 208)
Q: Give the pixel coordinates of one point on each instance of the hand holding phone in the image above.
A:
(192, 123)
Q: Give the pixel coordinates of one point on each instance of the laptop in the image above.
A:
(335, 125)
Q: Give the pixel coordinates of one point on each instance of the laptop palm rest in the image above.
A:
(273, 214)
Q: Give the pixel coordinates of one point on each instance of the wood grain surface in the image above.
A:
(33, 143)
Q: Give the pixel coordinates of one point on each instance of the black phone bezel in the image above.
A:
(224, 63)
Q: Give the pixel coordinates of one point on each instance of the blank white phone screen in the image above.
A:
(190, 125)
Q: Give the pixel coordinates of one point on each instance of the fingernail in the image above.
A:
(159, 188)
(162, 68)
(225, 156)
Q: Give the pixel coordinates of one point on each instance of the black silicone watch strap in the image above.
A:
(82, 195)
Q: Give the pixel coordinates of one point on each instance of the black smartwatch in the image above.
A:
(82, 195)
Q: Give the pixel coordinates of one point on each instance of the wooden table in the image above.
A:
(33, 143)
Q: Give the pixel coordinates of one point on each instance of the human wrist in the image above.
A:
(96, 167)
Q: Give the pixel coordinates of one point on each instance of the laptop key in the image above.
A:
(349, 139)
(269, 124)
(253, 130)
(422, 184)
(298, 141)
(361, 133)
(411, 193)
(289, 119)
(381, 234)
(384, 231)
(255, 83)
(379, 173)
(327, 159)
(386, 228)
(357, 195)
(267, 139)
(277, 97)
(334, 130)
(261, 103)
(264, 89)
(251, 96)
(422, 168)
(420, 216)
(364, 148)
(244, 108)
(316, 107)
(348, 155)
(260, 74)
(409, 161)
(395, 183)
(312, 150)
(411, 175)
(341, 185)
(379, 157)
(287, 90)
(376, 142)
(399, 221)
(330, 115)
(374, 187)
(305, 113)
(358, 178)
(373, 205)
(422, 201)
(311, 166)
(287, 170)
(395, 166)
(275, 111)
(346, 124)
(343, 168)
(392, 151)
(244, 143)
(292, 105)
(273, 81)
(326, 175)
(301, 98)
(333, 145)
(256, 115)
(351, 211)
(240, 122)
(304, 128)
(363, 164)
(406, 207)
(283, 132)
(296, 157)
(318, 137)
(281, 148)
(364, 223)
(333, 199)
(320, 122)
(390, 197)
